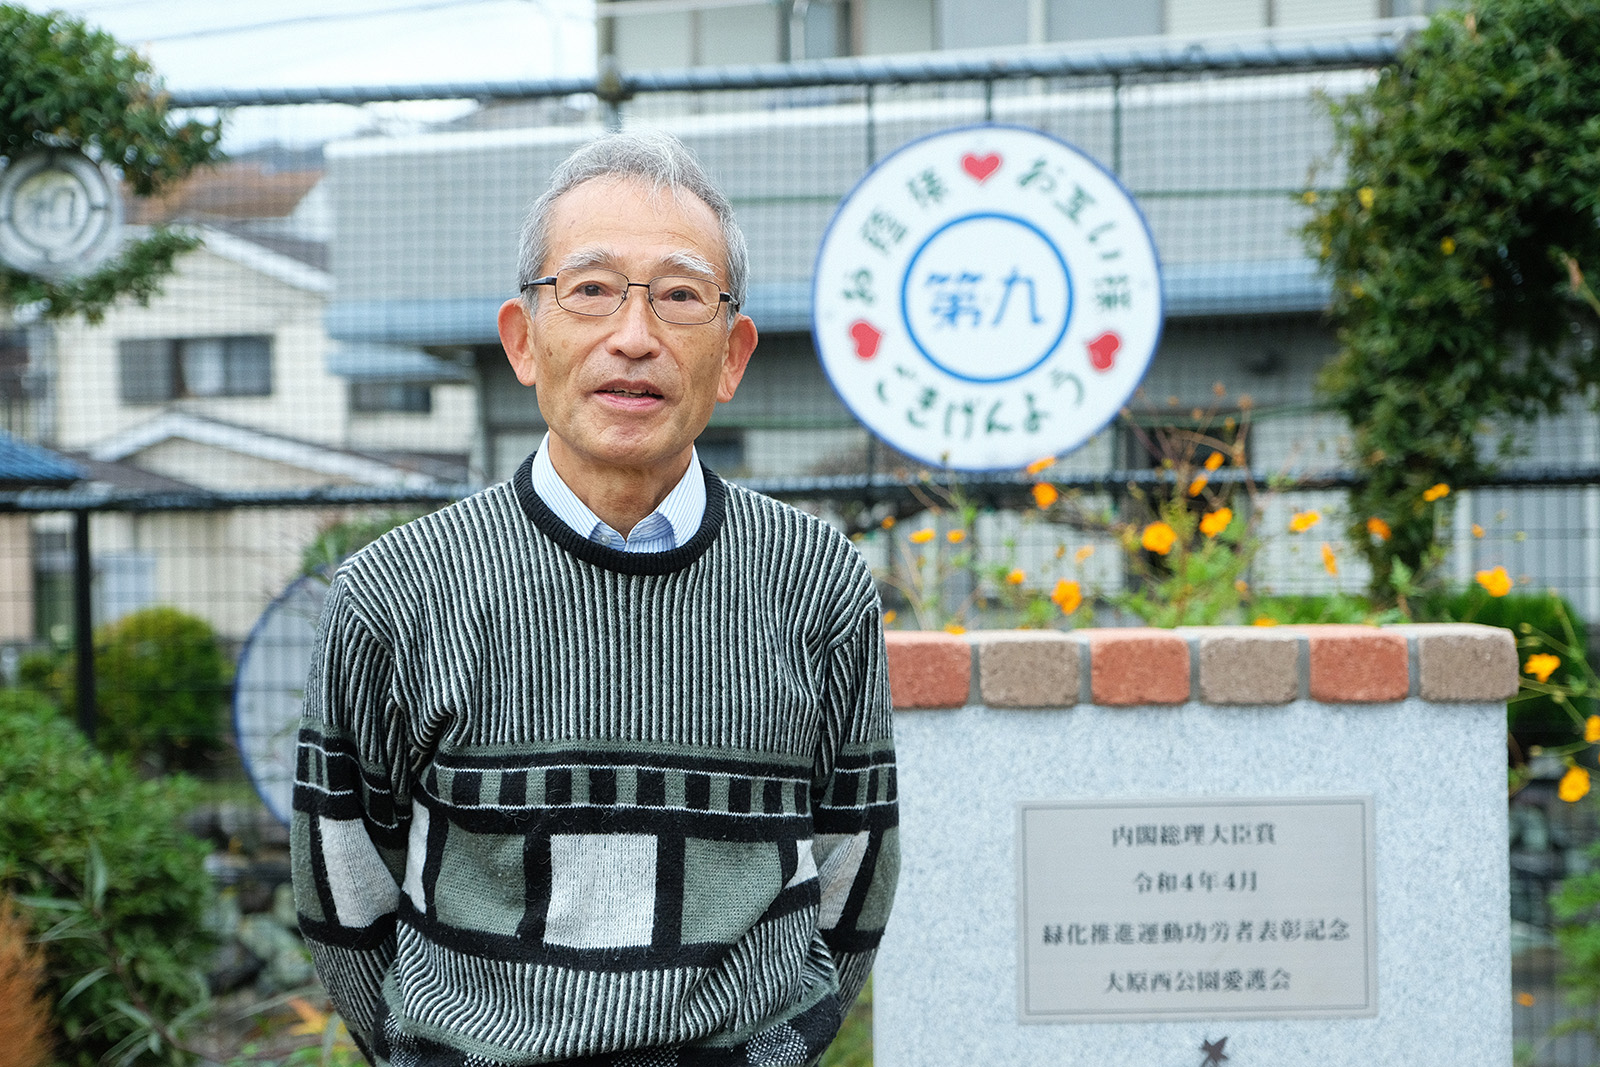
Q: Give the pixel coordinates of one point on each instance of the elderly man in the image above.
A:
(596, 764)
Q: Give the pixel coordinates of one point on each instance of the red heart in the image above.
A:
(980, 167)
(866, 338)
(1103, 350)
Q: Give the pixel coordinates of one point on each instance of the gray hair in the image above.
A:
(657, 159)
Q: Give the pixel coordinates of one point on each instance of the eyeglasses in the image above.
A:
(598, 292)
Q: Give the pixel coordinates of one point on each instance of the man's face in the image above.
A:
(627, 393)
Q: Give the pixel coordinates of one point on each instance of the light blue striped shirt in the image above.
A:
(671, 524)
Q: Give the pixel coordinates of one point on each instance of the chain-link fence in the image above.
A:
(326, 364)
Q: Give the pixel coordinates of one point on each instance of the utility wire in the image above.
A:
(302, 20)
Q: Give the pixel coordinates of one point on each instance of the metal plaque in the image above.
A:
(59, 214)
(1156, 910)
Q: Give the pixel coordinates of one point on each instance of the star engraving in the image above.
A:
(1213, 1051)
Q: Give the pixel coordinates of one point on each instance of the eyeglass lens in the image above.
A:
(596, 291)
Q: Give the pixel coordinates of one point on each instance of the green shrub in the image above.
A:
(110, 881)
(161, 687)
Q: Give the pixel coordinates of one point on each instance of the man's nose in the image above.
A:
(634, 325)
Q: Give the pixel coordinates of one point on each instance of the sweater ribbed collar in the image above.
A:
(551, 525)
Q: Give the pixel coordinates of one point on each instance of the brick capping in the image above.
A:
(1223, 665)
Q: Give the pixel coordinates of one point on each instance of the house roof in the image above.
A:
(229, 192)
(25, 466)
(357, 467)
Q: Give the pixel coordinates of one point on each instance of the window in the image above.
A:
(412, 397)
(168, 369)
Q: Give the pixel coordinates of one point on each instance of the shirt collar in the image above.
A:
(673, 523)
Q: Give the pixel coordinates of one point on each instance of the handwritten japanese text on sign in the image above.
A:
(986, 296)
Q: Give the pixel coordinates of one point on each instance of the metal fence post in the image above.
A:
(83, 621)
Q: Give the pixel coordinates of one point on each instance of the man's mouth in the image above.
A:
(631, 392)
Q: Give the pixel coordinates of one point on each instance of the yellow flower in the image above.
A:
(1591, 729)
(1214, 461)
(1574, 785)
(888, 522)
(1197, 486)
(1039, 464)
(1525, 999)
(1378, 528)
(1541, 665)
(1241, 586)
(1264, 621)
(1497, 581)
(955, 537)
(1477, 531)
(889, 617)
(1448, 246)
(1330, 563)
(1083, 553)
(1309, 196)
(922, 537)
(1015, 576)
(1435, 492)
(1215, 522)
(955, 628)
(1366, 196)
(1044, 494)
(1301, 521)
(1067, 596)
(1159, 538)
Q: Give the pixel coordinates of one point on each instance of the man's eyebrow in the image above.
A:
(692, 262)
(580, 258)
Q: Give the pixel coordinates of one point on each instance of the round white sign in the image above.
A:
(985, 297)
(58, 213)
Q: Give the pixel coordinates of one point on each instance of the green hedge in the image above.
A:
(96, 855)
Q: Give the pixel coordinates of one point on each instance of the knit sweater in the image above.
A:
(557, 803)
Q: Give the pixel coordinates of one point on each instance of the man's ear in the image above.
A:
(741, 343)
(516, 337)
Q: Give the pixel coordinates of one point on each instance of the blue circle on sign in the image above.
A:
(992, 323)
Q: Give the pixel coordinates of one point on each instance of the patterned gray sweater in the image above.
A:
(556, 803)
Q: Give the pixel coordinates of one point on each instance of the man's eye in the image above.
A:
(681, 295)
(592, 289)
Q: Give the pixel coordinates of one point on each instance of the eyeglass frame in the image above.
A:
(723, 297)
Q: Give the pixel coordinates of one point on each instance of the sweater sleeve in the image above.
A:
(855, 815)
(351, 814)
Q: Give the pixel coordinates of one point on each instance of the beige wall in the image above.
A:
(16, 579)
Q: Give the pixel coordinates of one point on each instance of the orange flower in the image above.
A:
(1330, 562)
(1015, 576)
(1039, 464)
(1574, 785)
(1044, 494)
(1264, 621)
(1379, 529)
(1241, 586)
(1438, 491)
(955, 628)
(1477, 531)
(1213, 461)
(889, 617)
(1525, 999)
(1214, 522)
(955, 537)
(888, 522)
(1083, 553)
(923, 536)
(1591, 729)
(1197, 486)
(1159, 538)
(1542, 665)
(1067, 596)
(1497, 581)
(1301, 521)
